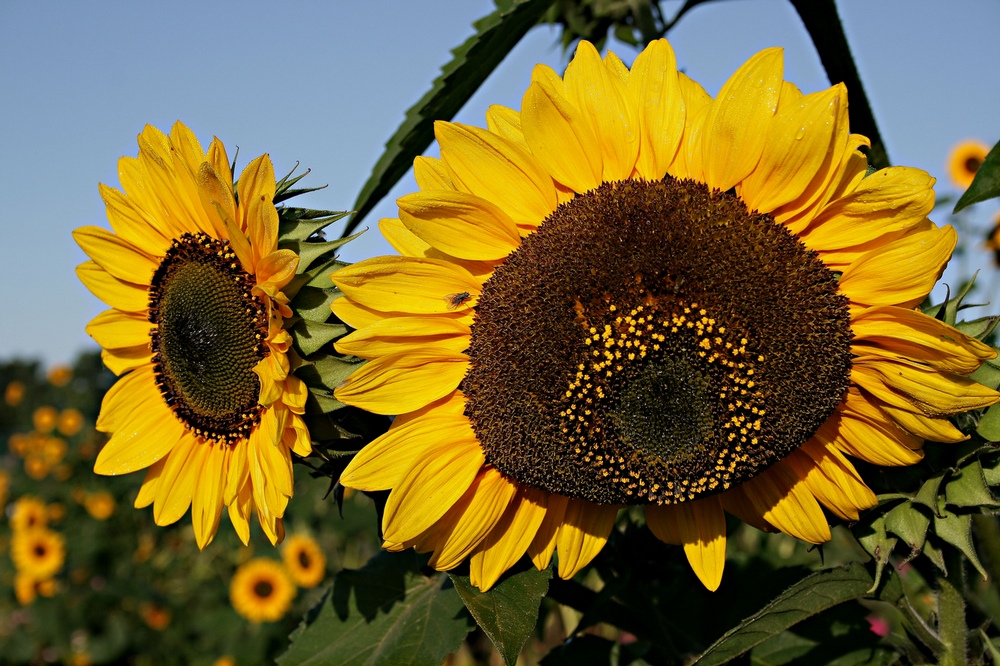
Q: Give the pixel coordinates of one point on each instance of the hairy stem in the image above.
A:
(951, 611)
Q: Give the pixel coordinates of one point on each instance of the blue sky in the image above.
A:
(326, 83)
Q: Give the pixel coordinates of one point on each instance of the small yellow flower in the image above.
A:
(70, 422)
(24, 588)
(39, 552)
(29, 513)
(304, 560)
(45, 418)
(965, 159)
(261, 590)
(100, 505)
(14, 393)
(60, 375)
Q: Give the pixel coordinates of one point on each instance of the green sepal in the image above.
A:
(980, 328)
(934, 553)
(310, 336)
(313, 303)
(299, 224)
(327, 371)
(928, 493)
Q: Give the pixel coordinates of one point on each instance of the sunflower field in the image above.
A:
(652, 374)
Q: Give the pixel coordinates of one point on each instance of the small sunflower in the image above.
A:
(28, 513)
(13, 393)
(631, 293)
(100, 505)
(261, 590)
(70, 422)
(44, 418)
(194, 278)
(964, 161)
(39, 553)
(304, 560)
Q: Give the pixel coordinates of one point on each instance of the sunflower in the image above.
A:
(304, 560)
(630, 293)
(261, 590)
(28, 513)
(964, 161)
(39, 553)
(100, 505)
(70, 422)
(194, 279)
(14, 393)
(44, 418)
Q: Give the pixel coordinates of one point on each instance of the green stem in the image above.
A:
(988, 542)
(951, 611)
(919, 628)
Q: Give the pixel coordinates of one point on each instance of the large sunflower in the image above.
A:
(261, 590)
(631, 293)
(193, 276)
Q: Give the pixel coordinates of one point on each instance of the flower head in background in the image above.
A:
(39, 553)
(964, 161)
(304, 560)
(205, 401)
(632, 293)
(261, 590)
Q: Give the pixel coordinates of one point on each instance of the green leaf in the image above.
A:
(326, 370)
(909, 523)
(934, 553)
(968, 488)
(473, 61)
(387, 612)
(988, 374)
(986, 184)
(311, 335)
(956, 529)
(929, 491)
(507, 613)
(811, 595)
(978, 328)
(990, 462)
(298, 224)
(989, 425)
(874, 539)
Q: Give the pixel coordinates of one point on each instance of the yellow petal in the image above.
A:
(179, 480)
(430, 487)
(784, 500)
(544, 544)
(382, 464)
(114, 329)
(925, 427)
(656, 93)
(560, 136)
(132, 225)
(216, 198)
(117, 293)
(432, 174)
(406, 284)
(737, 124)
(861, 429)
(206, 505)
(470, 519)
(140, 438)
(831, 479)
(798, 140)
(277, 268)
(583, 533)
(893, 332)
(239, 512)
(932, 392)
(354, 315)
(116, 255)
(697, 103)
(604, 100)
(699, 526)
(506, 122)
(903, 271)
(409, 244)
(460, 224)
(497, 170)
(509, 539)
(257, 182)
(403, 382)
(397, 335)
(120, 361)
(147, 492)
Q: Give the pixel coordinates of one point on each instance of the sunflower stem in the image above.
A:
(951, 611)
(919, 627)
(987, 530)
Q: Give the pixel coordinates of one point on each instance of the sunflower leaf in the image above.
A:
(313, 303)
(989, 424)
(508, 612)
(473, 61)
(811, 595)
(968, 488)
(986, 184)
(935, 554)
(956, 529)
(909, 523)
(874, 539)
(387, 612)
(326, 371)
(988, 374)
(298, 224)
(928, 493)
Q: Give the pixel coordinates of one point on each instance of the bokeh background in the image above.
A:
(324, 84)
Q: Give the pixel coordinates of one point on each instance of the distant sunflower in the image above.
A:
(261, 590)
(28, 513)
(44, 418)
(993, 240)
(965, 159)
(631, 293)
(304, 560)
(39, 553)
(100, 505)
(194, 279)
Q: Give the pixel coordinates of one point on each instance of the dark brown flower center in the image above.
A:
(972, 164)
(263, 589)
(210, 333)
(304, 560)
(654, 343)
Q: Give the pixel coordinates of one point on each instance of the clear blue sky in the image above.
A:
(326, 83)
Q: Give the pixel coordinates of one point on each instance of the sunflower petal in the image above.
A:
(117, 293)
(403, 382)
(460, 224)
(114, 329)
(584, 531)
(509, 539)
(116, 255)
(405, 334)
(699, 526)
(656, 93)
(784, 500)
(407, 284)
